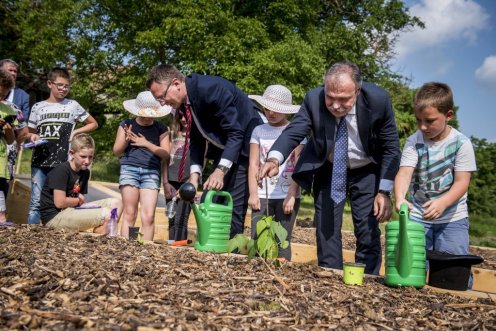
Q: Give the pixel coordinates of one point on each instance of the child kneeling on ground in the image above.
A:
(62, 203)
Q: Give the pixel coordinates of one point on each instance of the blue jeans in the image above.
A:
(449, 238)
(452, 238)
(38, 177)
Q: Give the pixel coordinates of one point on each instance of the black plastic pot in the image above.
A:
(450, 271)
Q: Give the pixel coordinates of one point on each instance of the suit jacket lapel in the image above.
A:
(363, 122)
(329, 128)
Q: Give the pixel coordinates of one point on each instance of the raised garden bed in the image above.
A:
(59, 280)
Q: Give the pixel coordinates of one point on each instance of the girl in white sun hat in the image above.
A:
(282, 193)
(141, 145)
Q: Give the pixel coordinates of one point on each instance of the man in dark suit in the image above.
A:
(223, 116)
(17, 96)
(360, 157)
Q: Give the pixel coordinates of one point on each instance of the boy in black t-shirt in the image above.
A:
(64, 191)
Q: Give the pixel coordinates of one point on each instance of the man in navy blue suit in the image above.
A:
(222, 116)
(366, 144)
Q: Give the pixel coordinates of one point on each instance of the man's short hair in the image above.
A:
(82, 140)
(163, 73)
(436, 95)
(58, 72)
(5, 61)
(349, 68)
(6, 80)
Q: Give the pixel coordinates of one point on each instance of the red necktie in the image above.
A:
(186, 144)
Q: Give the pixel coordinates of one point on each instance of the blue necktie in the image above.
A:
(338, 184)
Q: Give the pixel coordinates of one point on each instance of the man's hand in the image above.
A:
(269, 169)
(382, 207)
(194, 179)
(215, 181)
(434, 209)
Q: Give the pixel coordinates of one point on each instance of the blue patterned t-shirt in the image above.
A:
(435, 165)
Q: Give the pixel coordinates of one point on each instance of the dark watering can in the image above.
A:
(213, 220)
(405, 252)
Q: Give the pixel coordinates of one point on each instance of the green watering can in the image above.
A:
(405, 252)
(213, 220)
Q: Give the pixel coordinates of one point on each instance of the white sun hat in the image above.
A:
(278, 99)
(145, 105)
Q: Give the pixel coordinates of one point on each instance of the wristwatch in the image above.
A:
(386, 193)
(224, 169)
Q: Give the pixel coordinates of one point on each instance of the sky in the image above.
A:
(457, 47)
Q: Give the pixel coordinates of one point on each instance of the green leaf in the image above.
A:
(261, 226)
(252, 249)
(285, 244)
(264, 242)
(280, 232)
(273, 251)
(238, 242)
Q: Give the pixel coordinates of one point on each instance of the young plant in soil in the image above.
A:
(270, 236)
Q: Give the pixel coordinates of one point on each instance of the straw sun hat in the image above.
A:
(276, 98)
(145, 105)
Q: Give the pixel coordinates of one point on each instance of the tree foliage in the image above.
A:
(110, 45)
(482, 190)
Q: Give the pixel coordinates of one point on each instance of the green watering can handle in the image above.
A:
(212, 193)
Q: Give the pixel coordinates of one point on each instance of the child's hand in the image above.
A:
(169, 191)
(6, 126)
(138, 140)
(34, 137)
(254, 202)
(127, 129)
(81, 199)
(433, 209)
(399, 202)
(288, 204)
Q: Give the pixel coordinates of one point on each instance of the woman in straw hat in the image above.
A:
(281, 195)
(141, 145)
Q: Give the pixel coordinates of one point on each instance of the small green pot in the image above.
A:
(353, 273)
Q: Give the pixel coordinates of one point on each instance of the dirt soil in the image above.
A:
(304, 233)
(57, 280)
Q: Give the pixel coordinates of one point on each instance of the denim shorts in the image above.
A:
(139, 177)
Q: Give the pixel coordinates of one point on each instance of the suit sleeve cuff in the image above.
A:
(225, 163)
(195, 168)
(276, 155)
(386, 185)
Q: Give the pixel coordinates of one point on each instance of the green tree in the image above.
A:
(110, 45)
(482, 190)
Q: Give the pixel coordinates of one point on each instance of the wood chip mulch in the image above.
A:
(57, 280)
(304, 233)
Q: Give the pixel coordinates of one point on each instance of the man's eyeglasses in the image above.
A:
(61, 86)
(161, 98)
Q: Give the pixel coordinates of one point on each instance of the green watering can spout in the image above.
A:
(405, 251)
(404, 254)
(201, 220)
